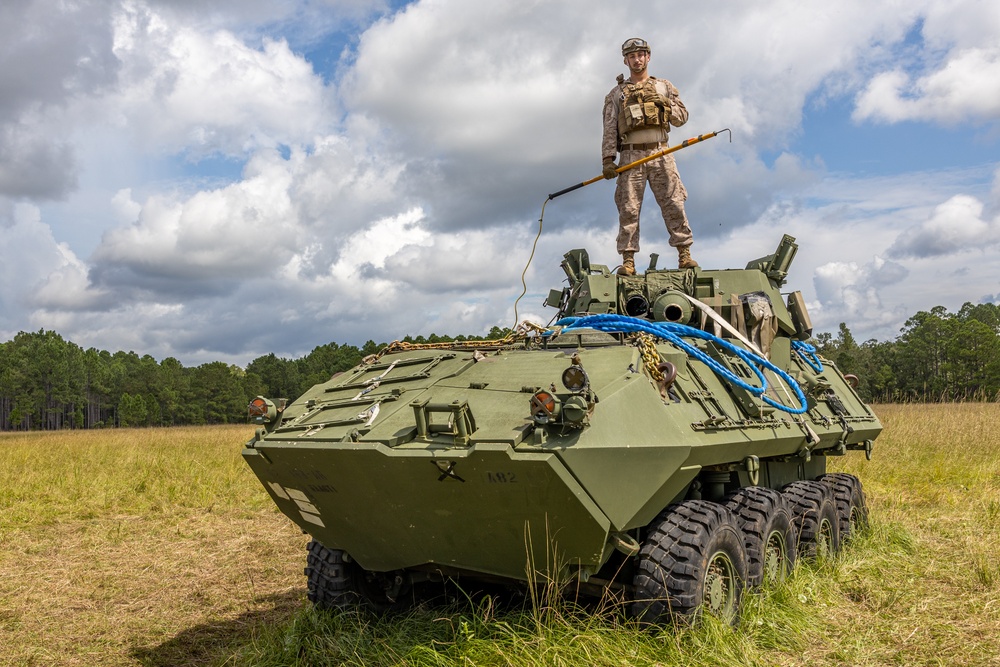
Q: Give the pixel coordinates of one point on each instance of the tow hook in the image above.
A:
(752, 464)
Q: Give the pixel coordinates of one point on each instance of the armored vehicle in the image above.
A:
(666, 437)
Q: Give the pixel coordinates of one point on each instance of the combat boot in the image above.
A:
(628, 264)
(684, 259)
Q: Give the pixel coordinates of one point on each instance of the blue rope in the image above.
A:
(807, 353)
(673, 333)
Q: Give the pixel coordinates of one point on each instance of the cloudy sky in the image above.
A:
(221, 179)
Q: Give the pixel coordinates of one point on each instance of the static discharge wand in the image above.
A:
(648, 158)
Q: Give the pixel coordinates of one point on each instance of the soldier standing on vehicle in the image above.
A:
(638, 113)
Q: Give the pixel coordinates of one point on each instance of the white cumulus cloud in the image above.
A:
(183, 90)
(956, 225)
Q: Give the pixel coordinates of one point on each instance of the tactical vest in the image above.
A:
(643, 106)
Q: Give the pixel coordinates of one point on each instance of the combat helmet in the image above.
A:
(635, 44)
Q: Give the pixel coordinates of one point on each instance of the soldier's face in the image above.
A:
(637, 61)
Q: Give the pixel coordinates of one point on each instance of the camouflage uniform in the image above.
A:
(661, 173)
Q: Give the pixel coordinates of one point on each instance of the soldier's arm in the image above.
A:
(609, 142)
(678, 112)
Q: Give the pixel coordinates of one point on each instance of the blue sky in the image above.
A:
(877, 149)
(229, 178)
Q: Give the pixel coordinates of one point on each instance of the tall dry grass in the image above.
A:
(160, 548)
(127, 547)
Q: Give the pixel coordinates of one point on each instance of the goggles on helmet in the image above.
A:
(634, 44)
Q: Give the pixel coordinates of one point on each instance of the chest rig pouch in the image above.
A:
(643, 105)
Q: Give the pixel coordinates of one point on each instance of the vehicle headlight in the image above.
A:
(544, 407)
(262, 411)
(575, 379)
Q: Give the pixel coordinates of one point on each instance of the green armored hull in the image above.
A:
(656, 401)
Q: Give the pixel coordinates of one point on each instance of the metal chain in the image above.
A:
(650, 355)
(521, 332)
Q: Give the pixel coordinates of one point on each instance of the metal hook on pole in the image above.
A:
(626, 167)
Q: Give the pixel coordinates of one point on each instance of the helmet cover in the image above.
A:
(634, 44)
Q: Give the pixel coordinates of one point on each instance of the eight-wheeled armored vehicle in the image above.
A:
(665, 437)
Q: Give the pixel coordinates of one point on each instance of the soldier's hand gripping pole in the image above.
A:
(626, 167)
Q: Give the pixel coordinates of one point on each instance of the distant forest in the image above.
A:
(47, 382)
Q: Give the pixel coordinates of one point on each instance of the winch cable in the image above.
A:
(623, 168)
(674, 333)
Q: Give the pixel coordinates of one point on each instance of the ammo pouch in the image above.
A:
(636, 112)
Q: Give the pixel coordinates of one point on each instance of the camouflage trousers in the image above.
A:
(665, 182)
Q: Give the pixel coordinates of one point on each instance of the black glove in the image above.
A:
(609, 170)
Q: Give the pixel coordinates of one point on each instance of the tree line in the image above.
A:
(938, 357)
(47, 382)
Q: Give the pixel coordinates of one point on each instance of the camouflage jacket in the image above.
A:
(614, 106)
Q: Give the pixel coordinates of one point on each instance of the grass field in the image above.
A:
(159, 547)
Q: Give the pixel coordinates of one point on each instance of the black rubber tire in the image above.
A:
(814, 515)
(692, 561)
(769, 536)
(852, 508)
(335, 582)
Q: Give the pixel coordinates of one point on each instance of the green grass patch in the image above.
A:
(560, 634)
